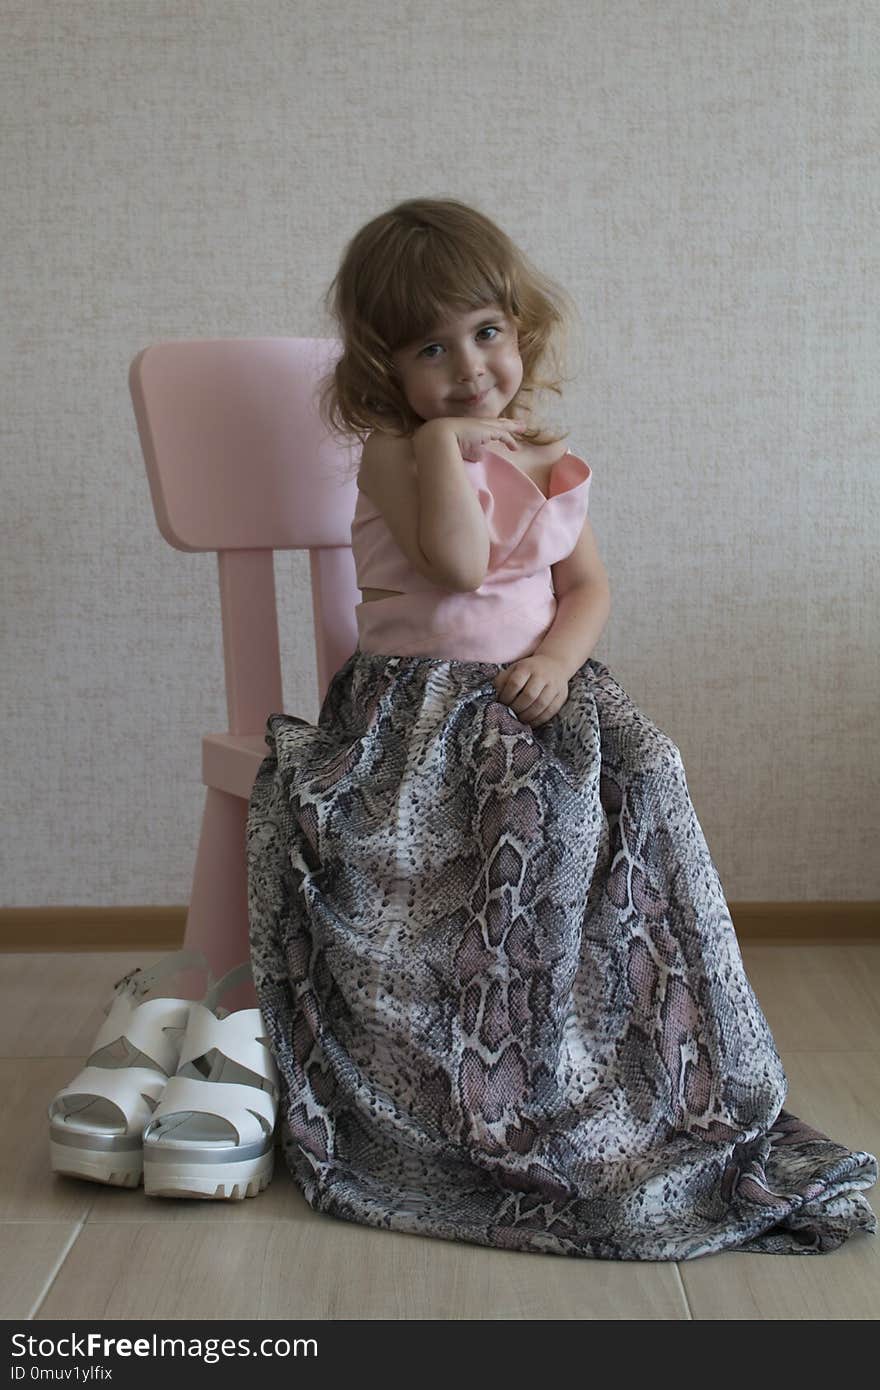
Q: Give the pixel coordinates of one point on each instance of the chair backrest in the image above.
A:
(239, 461)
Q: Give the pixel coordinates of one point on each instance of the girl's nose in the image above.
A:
(467, 366)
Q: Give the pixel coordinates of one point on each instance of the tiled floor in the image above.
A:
(75, 1250)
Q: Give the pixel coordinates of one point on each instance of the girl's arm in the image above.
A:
(452, 527)
(581, 616)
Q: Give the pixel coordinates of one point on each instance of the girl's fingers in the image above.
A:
(536, 704)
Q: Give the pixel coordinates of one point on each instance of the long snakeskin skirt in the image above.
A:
(502, 985)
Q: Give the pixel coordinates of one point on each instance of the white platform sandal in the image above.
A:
(96, 1122)
(212, 1135)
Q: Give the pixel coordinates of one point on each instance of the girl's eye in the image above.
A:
(487, 328)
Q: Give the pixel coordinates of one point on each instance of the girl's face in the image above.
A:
(471, 354)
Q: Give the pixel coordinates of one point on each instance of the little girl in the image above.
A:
(495, 961)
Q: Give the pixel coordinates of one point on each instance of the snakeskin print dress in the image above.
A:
(503, 988)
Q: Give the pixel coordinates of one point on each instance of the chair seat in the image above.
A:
(230, 762)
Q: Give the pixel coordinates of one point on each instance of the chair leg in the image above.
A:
(217, 920)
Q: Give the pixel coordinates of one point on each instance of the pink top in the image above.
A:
(509, 614)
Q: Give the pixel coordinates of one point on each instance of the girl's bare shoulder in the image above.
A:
(382, 452)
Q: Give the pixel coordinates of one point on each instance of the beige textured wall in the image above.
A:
(702, 176)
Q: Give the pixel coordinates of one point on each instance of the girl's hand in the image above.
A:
(535, 688)
(472, 432)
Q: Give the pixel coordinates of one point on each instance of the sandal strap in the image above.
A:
(239, 1036)
(132, 1090)
(139, 982)
(154, 1028)
(226, 1100)
(219, 987)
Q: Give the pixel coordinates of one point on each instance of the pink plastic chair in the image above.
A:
(239, 461)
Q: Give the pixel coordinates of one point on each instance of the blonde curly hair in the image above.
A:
(399, 276)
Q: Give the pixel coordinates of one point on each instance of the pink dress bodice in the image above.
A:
(513, 608)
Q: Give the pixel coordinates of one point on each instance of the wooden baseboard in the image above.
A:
(92, 928)
(815, 921)
(162, 928)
